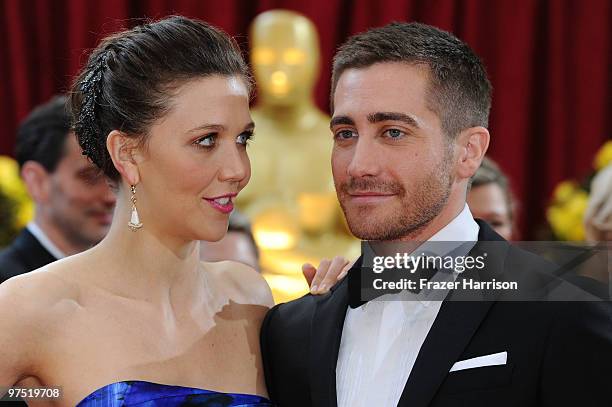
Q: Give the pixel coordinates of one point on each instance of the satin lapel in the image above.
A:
(325, 336)
(448, 337)
(452, 331)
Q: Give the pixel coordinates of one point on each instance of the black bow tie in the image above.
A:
(360, 279)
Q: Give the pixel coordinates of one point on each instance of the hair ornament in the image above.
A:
(86, 125)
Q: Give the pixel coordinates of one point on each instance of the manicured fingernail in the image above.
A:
(313, 289)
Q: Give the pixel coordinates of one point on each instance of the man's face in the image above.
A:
(79, 202)
(391, 162)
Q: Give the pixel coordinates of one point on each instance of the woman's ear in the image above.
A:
(123, 151)
(473, 144)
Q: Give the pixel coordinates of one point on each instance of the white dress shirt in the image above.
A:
(44, 240)
(381, 339)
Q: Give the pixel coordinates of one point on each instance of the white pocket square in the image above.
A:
(493, 359)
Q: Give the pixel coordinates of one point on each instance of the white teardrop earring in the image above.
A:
(134, 220)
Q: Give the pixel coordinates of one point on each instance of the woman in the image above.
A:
(163, 110)
(490, 198)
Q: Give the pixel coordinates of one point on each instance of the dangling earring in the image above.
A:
(134, 220)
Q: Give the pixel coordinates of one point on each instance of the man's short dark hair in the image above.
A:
(41, 137)
(459, 91)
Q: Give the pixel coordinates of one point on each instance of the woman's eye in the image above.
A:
(206, 141)
(244, 138)
(395, 133)
(344, 134)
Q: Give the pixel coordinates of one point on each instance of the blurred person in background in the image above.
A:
(598, 216)
(491, 200)
(237, 245)
(73, 203)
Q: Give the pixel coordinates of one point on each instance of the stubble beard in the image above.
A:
(77, 228)
(416, 210)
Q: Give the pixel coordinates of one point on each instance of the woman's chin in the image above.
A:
(212, 235)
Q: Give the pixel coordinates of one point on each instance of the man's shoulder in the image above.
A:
(555, 281)
(24, 254)
(8, 256)
(11, 263)
(298, 310)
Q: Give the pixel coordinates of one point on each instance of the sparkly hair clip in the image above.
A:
(86, 126)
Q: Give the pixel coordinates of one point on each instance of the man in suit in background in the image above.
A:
(73, 203)
(410, 114)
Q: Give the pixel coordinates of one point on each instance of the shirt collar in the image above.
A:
(463, 228)
(44, 240)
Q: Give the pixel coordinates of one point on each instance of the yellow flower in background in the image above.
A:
(564, 191)
(566, 214)
(578, 202)
(603, 156)
(576, 207)
(14, 189)
(557, 220)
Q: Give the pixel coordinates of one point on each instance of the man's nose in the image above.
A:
(365, 160)
(108, 197)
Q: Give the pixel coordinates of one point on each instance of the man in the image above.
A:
(73, 203)
(410, 114)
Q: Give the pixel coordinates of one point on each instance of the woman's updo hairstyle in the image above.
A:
(128, 80)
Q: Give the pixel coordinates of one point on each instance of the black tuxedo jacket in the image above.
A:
(23, 255)
(559, 353)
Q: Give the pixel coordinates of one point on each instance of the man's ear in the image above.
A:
(124, 153)
(36, 180)
(472, 145)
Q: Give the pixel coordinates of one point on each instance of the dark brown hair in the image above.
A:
(42, 135)
(128, 81)
(459, 91)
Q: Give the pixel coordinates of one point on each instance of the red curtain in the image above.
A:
(549, 61)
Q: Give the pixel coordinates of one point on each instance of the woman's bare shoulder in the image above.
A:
(40, 293)
(33, 308)
(247, 283)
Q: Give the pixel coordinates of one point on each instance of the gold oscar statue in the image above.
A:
(291, 198)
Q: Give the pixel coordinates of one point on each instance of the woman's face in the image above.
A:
(195, 160)
(488, 202)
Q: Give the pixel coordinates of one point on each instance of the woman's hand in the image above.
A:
(328, 273)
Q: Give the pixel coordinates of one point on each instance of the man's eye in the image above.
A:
(395, 133)
(244, 138)
(91, 175)
(344, 134)
(92, 179)
(206, 141)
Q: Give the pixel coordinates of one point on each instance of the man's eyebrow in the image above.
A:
(392, 116)
(337, 120)
(89, 171)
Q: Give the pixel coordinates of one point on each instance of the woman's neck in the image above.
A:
(145, 263)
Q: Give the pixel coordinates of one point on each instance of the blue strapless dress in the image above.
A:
(147, 394)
